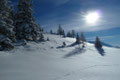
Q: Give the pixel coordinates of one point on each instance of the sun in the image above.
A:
(92, 17)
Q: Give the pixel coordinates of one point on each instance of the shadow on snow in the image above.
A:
(60, 47)
(76, 51)
(71, 45)
(101, 51)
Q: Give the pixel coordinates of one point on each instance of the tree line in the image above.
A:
(20, 25)
(80, 38)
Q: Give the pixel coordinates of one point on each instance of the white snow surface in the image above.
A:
(47, 61)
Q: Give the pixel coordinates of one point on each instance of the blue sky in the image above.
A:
(69, 13)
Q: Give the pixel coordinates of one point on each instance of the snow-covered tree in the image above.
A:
(82, 37)
(60, 30)
(73, 33)
(69, 34)
(7, 35)
(77, 39)
(63, 33)
(98, 43)
(25, 24)
(51, 32)
(12, 13)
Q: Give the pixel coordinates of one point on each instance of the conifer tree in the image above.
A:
(7, 35)
(77, 39)
(6, 23)
(82, 37)
(98, 43)
(60, 30)
(63, 33)
(73, 33)
(69, 34)
(25, 24)
(51, 32)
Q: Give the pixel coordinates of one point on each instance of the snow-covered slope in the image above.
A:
(49, 61)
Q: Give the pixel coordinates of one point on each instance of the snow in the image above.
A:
(48, 61)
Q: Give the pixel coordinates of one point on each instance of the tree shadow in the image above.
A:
(73, 44)
(76, 51)
(101, 51)
(60, 47)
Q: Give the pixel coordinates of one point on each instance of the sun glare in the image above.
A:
(92, 17)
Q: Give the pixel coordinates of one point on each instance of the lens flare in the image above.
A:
(92, 17)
